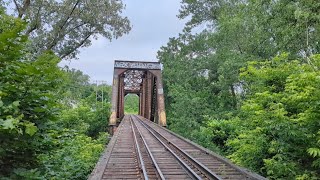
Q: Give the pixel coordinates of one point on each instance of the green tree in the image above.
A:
(76, 87)
(27, 96)
(205, 95)
(65, 26)
(41, 136)
(131, 102)
(279, 119)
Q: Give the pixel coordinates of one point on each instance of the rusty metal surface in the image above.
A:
(142, 149)
(123, 163)
(133, 79)
(114, 98)
(217, 164)
(143, 79)
(167, 163)
(153, 170)
(137, 65)
(162, 120)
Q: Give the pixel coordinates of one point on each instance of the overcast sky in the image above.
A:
(153, 23)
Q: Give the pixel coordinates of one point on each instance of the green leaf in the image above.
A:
(31, 129)
(16, 103)
(314, 152)
(9, 124)
(31, 70)
(39, 109)
(1, 103)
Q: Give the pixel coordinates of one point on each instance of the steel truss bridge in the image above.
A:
(141, 146)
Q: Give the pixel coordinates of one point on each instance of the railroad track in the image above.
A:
(142, 149)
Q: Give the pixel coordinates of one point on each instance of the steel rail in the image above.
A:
(145, 175)
(205, 170)
(149, 152)
(186, 166)
(245, 172)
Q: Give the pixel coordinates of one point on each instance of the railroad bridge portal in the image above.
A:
(142, 149)
(143, 79)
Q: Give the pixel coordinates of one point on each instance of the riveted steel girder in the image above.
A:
(143, 79)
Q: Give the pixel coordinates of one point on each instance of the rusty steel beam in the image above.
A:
(143, 98)
(153, 100)
(160, 98)
(132, 92)
(114, 99)
(148, 95)
(140, 103)
(121, 97)
(127, 77)
(137, 65)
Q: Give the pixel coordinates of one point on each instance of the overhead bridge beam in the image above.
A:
(143, 79)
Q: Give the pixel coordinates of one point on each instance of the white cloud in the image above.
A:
(154, 22)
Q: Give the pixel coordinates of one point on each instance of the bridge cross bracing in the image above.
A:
(143, 79)
(142, 148)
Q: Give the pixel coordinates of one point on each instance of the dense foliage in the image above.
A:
(131, 104)
(247, 84)
(64, 26)
(46, 132)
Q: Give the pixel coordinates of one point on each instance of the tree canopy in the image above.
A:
(45, 133)
(131, 104)
(246, 85)
(67, 25)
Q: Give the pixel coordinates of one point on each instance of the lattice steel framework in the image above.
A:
(133, 80)
(143, 79)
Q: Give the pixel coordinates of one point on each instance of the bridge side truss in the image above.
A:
(143, 79)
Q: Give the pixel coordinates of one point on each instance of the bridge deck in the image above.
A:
(141, 149)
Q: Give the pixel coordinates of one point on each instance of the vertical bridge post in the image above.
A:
(114, 99)
(160, 99)
(143, 79)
